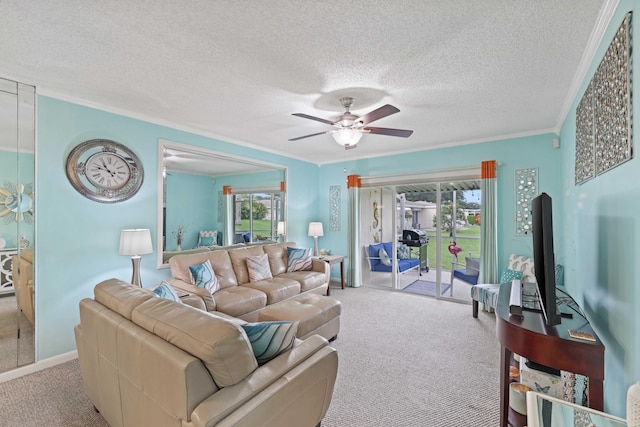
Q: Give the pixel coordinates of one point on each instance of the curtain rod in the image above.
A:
(425, 172)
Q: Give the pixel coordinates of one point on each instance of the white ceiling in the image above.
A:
(459, 71)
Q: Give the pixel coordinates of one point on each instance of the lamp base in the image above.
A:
(315, 246)
(135, 278)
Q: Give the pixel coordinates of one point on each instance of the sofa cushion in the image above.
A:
(239, 261)
(164, 290)
(298, 259)
(277, 257)
(472, 267)
(222, 345)
(525, 265)
(203, 276)
(238, 300)
(121, 299)
(276, 289)
(270, 339)
(308, 279)
(258, 268)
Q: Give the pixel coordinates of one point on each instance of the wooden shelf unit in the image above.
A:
(551, 346)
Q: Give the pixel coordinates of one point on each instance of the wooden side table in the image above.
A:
(333, 260)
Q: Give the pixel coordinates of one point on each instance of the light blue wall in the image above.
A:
(527, 152)
(78, 239)
(601, 237)
(191, 202)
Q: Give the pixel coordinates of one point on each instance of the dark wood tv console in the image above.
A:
(551, 346)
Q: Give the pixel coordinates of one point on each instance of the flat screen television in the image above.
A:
(543, 258)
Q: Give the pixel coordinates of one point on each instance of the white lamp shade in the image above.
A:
(347, 136)
(282, 228)
(135, 242)
(315, 229)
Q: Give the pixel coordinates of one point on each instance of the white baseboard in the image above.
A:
(38, 366)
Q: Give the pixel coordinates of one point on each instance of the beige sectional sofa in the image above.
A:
(148, 361)
(238, 296)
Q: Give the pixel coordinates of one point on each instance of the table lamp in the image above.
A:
(315, 230)
(135, 242)
(282, 229)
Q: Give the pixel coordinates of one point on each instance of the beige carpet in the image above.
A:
(405, 360)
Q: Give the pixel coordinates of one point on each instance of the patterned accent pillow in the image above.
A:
(259, 268)
(298, 259)
(164, 290)
(403, 252)
(384, 257)
(203, 276)
(269, 339)
(509, 275)
(207, 237)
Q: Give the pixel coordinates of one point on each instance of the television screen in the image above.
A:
(543, 258)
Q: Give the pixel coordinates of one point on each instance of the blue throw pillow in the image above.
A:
(269, 339)
(206, 241)
(509, 275)
(164, 290)
(202, 276)
(298, 259)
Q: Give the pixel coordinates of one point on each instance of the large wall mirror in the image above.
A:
(17, 286)
(208, 198)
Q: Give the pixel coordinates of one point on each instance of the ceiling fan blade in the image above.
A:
(307, 136)
(391, 132)
(317, 119)
(377, 114)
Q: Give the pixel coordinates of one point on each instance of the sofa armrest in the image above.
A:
(194, 301)
(206, 297)
(321, 267)
(284, 379)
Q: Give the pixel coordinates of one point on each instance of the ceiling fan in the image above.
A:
(351, 127)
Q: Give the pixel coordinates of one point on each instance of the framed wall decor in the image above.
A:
(603, 117)
(334, 208)
(526, 185)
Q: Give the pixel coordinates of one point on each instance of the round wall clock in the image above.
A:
(104, 170)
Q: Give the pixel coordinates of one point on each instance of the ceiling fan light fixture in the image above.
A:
(347, 137)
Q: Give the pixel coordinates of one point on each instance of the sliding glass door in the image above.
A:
(423, 228)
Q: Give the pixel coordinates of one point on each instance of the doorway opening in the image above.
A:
(434, 226)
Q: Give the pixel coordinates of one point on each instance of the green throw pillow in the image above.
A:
(269, 339)
(509, 275)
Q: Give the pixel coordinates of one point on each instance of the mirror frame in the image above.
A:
(164, 144)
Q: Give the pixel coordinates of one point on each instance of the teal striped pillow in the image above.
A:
(164, 290)
(269, 339)
(202, 276)
(258, 267)
(298, 259)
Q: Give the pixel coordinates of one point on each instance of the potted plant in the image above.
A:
(179, 235)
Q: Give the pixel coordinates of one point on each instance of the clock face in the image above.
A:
(104, 171)
(107, 170)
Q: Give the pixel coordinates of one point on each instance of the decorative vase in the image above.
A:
(178, 248)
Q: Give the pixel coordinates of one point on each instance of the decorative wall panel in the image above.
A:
(526, 185)
(334, 208)
(603, 117)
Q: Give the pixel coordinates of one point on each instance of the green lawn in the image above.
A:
(468, 239)
(261, 227)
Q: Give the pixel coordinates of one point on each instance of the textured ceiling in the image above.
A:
(459, 71)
